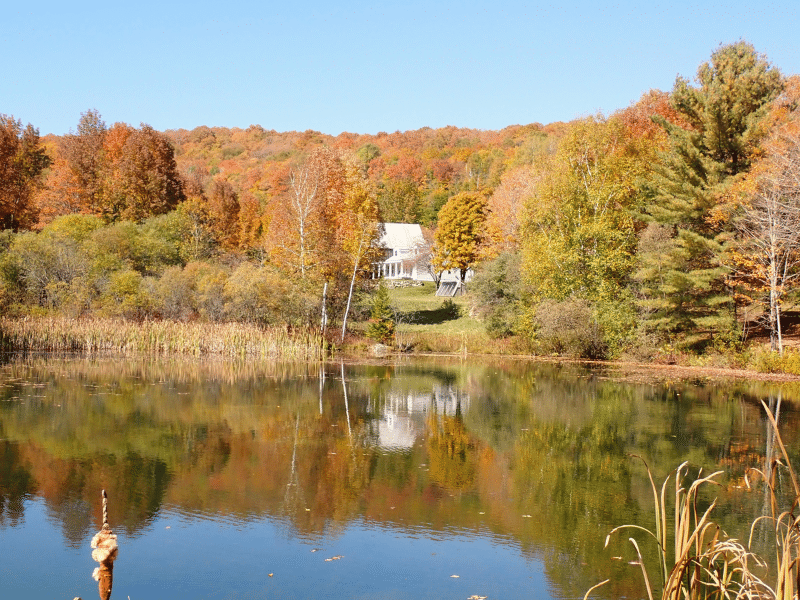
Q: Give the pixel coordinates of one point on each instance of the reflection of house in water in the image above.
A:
(403, 414)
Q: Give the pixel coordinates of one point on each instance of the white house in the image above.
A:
(408, 256)
(406, 253)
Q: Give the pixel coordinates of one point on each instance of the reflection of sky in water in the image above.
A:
(35, 562)
(185, 556)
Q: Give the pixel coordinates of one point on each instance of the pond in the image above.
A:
(425, 478)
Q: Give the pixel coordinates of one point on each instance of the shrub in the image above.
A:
(449, 311)
(264, 295)
(174, 295)
(126, 296)
(769, 361)
(43, 264)
(497, 294)
(618, 321)
(569, 328)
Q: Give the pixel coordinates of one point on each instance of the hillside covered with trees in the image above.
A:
(670, 226)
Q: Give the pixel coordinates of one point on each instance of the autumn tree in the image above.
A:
(505, 210)
(484, 168)
(579, 235)
(769, 223)
(82, 152)
(358, 227)
(75, 180)
(22, 160)
(400, 191)
(578, 232)
(719, 124)
(60, 194)
(200, 242)
(119, 172)
(325, 228)
(459, 234)
(223, 210)
(141, 177)
(299, 221)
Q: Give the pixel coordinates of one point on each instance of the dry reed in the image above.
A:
(127, 338)
(704, 562)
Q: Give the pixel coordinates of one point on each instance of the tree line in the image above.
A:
(669, 224)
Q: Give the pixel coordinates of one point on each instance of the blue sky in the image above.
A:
(363, 67)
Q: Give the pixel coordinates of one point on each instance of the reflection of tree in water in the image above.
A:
(16, 484)
(294, 498)
(452, 453)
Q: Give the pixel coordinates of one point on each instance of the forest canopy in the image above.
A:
(668, 224)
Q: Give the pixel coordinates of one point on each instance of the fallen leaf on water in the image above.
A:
(455, 576)
(316, 549)
(271, 574)
(333, 558)
(476, 597)
(526, 516)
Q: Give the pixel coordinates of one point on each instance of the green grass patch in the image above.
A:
(428, 323)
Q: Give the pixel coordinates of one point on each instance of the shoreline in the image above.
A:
(120, 339)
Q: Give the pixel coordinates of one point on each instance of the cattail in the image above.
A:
(105, 552)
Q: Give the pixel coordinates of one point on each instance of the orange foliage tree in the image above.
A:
(119, 173)
(141, 177)
(22, 159)
(325, 227)
(505, 210)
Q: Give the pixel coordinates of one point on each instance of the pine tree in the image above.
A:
(381, 322)
(721, 124)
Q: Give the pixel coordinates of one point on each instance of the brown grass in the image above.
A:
(703, 562)
(128, 338)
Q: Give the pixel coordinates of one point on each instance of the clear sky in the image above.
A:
(363, 67)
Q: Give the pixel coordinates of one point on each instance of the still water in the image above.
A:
(421, 479)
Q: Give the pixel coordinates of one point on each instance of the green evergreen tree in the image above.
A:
(381, 321)
(720, 123)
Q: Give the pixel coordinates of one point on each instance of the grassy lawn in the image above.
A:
(421, 310)
(427, 323)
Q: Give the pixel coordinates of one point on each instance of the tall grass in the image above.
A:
(120, 337)
(786, 523)
(702, 562)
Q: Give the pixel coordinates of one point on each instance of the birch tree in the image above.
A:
(770, 227)
(299, 227)
(359, 228)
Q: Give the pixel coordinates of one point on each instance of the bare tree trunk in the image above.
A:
(324, 319)
(352, 283)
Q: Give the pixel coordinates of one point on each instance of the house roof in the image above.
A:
(401, 236)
